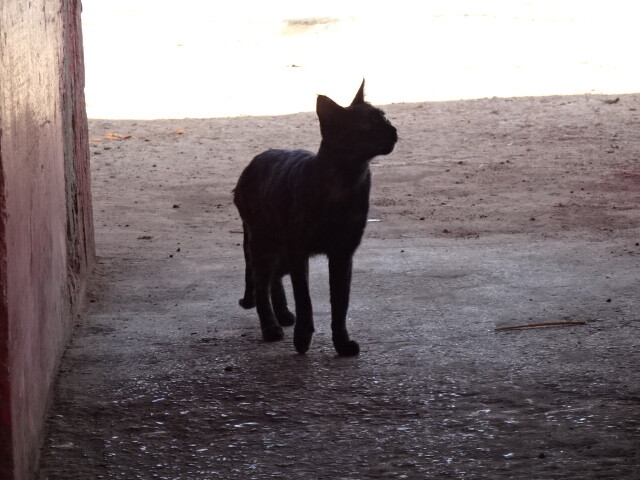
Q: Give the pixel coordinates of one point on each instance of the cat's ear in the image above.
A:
(359, 98)
(327, 109)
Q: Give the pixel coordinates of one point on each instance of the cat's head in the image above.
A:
(359, 130)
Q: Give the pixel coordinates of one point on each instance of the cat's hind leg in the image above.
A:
(263, 272)
(248, 301)
(279, 301)
(303, 330)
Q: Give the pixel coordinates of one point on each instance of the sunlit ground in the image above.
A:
(196, 58)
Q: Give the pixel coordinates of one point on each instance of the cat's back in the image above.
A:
(270, 172)
(279, 159)
(272, 165)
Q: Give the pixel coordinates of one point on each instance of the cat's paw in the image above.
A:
(286, 319)
(349, 348)
(273, 333)
(247, 303)
(302, 341)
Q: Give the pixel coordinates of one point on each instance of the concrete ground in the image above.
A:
(490, 213)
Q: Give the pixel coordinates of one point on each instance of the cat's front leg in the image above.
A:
(340, 266)
(303, 330)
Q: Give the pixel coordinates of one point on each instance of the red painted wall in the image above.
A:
(46, 231)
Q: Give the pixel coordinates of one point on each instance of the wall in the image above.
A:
(46, 232)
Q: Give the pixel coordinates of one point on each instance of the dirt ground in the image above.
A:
(489, 213)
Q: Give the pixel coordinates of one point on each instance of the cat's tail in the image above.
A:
(248, 301)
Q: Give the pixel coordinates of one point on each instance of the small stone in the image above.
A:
(175, 205)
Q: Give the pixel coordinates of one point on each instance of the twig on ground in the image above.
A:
(543, 324)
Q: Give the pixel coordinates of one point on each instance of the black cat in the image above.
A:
(295, 204)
